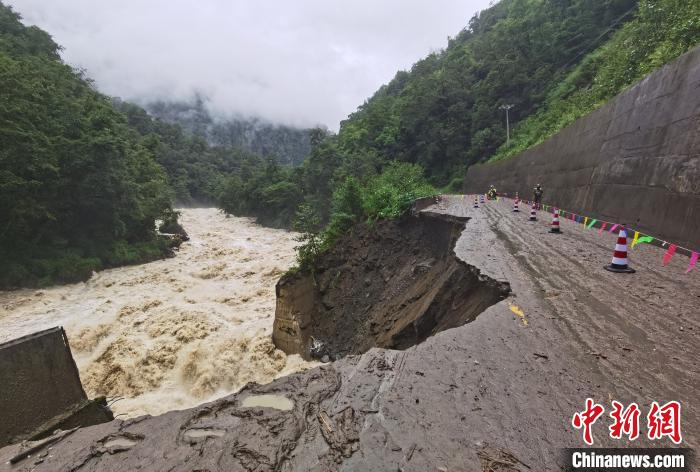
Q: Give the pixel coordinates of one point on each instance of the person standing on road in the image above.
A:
(537, 195)
(492, 193)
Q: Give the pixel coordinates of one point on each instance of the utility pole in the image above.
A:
(506, 108)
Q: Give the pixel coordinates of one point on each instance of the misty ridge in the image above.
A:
(288, 145)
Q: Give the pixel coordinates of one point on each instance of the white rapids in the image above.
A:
(173, 333)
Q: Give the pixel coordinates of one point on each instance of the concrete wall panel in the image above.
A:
(635, 160)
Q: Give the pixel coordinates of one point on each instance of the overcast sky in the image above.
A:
(302, 62)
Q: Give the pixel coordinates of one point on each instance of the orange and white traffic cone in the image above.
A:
(555, 222)
(619, 260)
(533, 213)
(476, 202)
(515, 205)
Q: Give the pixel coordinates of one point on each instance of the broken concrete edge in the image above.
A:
(30, 447)
(85, 413)
(41, 391)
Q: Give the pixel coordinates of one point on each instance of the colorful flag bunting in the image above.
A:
(634, 240)
(669, 254)
(637, 238)
(693, 261)
(645, 239)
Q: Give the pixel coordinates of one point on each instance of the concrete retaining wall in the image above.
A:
(636, 160)
(40, 388)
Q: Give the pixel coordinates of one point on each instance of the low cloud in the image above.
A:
(301, 62)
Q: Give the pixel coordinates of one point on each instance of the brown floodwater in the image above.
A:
(173, 333)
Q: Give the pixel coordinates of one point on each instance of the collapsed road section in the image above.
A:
(391, 285)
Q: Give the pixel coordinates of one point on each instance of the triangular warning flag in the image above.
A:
(693, 261)
(634, 241)
(645, 239)
(585, 221)
(602, 228)
(669, 254)
(593, 221)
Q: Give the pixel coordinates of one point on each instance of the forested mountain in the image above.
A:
(84, 178)
(80, 189)
(553, 60)
(285, 144)
(195, 169)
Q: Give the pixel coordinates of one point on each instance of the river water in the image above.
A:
(173, 333)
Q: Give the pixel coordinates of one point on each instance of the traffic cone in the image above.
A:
(476, 202)
(555, 222)
(515, 205)
(533, 213)
(481, 198)
(619, 260)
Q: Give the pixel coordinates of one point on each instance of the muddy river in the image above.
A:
(173, 333)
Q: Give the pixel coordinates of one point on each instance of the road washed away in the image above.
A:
(173, 333)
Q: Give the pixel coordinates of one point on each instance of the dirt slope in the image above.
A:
(502, 384)
(392, 285)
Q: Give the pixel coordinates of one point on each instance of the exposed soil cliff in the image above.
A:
(390, 285)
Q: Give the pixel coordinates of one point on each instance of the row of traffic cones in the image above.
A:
(619, 262)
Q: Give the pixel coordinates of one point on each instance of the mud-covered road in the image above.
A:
(497, 392)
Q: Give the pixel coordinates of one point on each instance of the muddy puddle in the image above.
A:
(174, 333)
(277, 402)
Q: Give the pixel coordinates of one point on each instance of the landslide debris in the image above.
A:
(391, 285)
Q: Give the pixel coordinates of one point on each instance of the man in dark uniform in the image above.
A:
(537, 195)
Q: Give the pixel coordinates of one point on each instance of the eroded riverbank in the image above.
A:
(173, 333)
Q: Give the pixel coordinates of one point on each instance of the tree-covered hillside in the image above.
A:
(195, 169)
(80, 190)
(287, 145)
(553, 60)
(659, 32)
(445, 112)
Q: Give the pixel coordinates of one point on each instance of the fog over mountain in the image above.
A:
(303, 63)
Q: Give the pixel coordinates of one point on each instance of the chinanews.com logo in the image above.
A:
(660, 422)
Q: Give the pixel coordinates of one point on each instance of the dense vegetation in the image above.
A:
(79, 189)
(285, 144)
(553, 60)
(444, 113)
(196, 170)
(661, 31)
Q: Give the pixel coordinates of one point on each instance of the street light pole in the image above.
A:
(506, 108)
